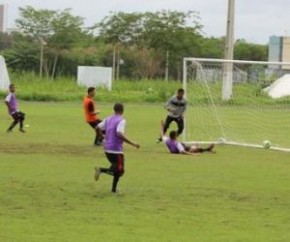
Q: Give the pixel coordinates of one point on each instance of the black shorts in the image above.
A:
(18, 116)
(186, 147)
(94, 123)
(117, 163)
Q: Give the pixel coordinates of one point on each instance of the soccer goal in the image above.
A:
(237, 102)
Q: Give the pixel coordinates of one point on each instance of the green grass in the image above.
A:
(47, 191)
(32, 88)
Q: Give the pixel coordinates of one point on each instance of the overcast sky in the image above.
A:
(255, 21)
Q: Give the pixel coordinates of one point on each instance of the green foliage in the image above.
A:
(31, 87)
(120, 27)
(173, 31)
(35, 22)
(23, 55)
(6, 41)
(147, 43)
(54, 31)
(249, 51)
(212, 48)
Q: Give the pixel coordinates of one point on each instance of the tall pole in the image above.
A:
(114, 63)
(42, 44)
(229, 53)
(41, 60)
(167, 66)
(118, 65)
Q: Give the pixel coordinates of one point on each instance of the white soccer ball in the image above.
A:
(221, 140)
(26, 126)
(266, 144)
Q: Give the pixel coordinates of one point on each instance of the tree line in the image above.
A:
(145, 45)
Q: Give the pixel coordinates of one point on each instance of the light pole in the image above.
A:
(42, 44)
(229, 53)
(167, 66)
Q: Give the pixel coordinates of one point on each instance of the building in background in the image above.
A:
(285, 52)
(2, 18)
(279, 51)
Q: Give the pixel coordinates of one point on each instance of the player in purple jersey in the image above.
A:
(114, 128)
(176, 147)
(13, 110)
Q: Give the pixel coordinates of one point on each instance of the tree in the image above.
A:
(58, 30)
(212, 48)
(6, 41)
(175, 35)
(23, 53)
(120, 29)
(249, 51)
(163, 32)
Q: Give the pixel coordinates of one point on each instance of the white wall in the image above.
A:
(95, 76)
(4, 76)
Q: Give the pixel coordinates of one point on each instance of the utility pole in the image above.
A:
(114, 63)
(167, 66)
(229, 53)
(42, 44)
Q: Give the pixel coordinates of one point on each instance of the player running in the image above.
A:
(176, 107)
(16, 114)
(114, 127)
(91, 114)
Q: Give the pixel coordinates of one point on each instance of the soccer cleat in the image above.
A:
(210, 148)
(159, 140)
(9, 130)
(117, 193)
(97, 173)
(98, 143)
(22, 130)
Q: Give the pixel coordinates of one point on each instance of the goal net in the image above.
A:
(237, 102)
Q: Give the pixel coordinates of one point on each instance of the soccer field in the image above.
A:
(47, 191)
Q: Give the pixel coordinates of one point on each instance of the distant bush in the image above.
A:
(31, 88)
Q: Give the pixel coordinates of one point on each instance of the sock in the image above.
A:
(115, 182)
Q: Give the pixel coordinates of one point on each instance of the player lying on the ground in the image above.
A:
(176, 147)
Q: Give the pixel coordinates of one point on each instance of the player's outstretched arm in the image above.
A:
(126, 140)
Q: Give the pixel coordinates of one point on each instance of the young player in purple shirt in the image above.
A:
(114, 127)
(176, 147)
(13, 110)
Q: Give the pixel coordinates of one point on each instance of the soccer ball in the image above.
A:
(266, 144)
(221, 141)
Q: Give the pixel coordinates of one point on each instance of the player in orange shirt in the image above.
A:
(91, 114)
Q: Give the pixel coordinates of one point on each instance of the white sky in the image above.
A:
(255, 21)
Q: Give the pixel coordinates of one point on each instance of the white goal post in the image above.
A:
(258, 108)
